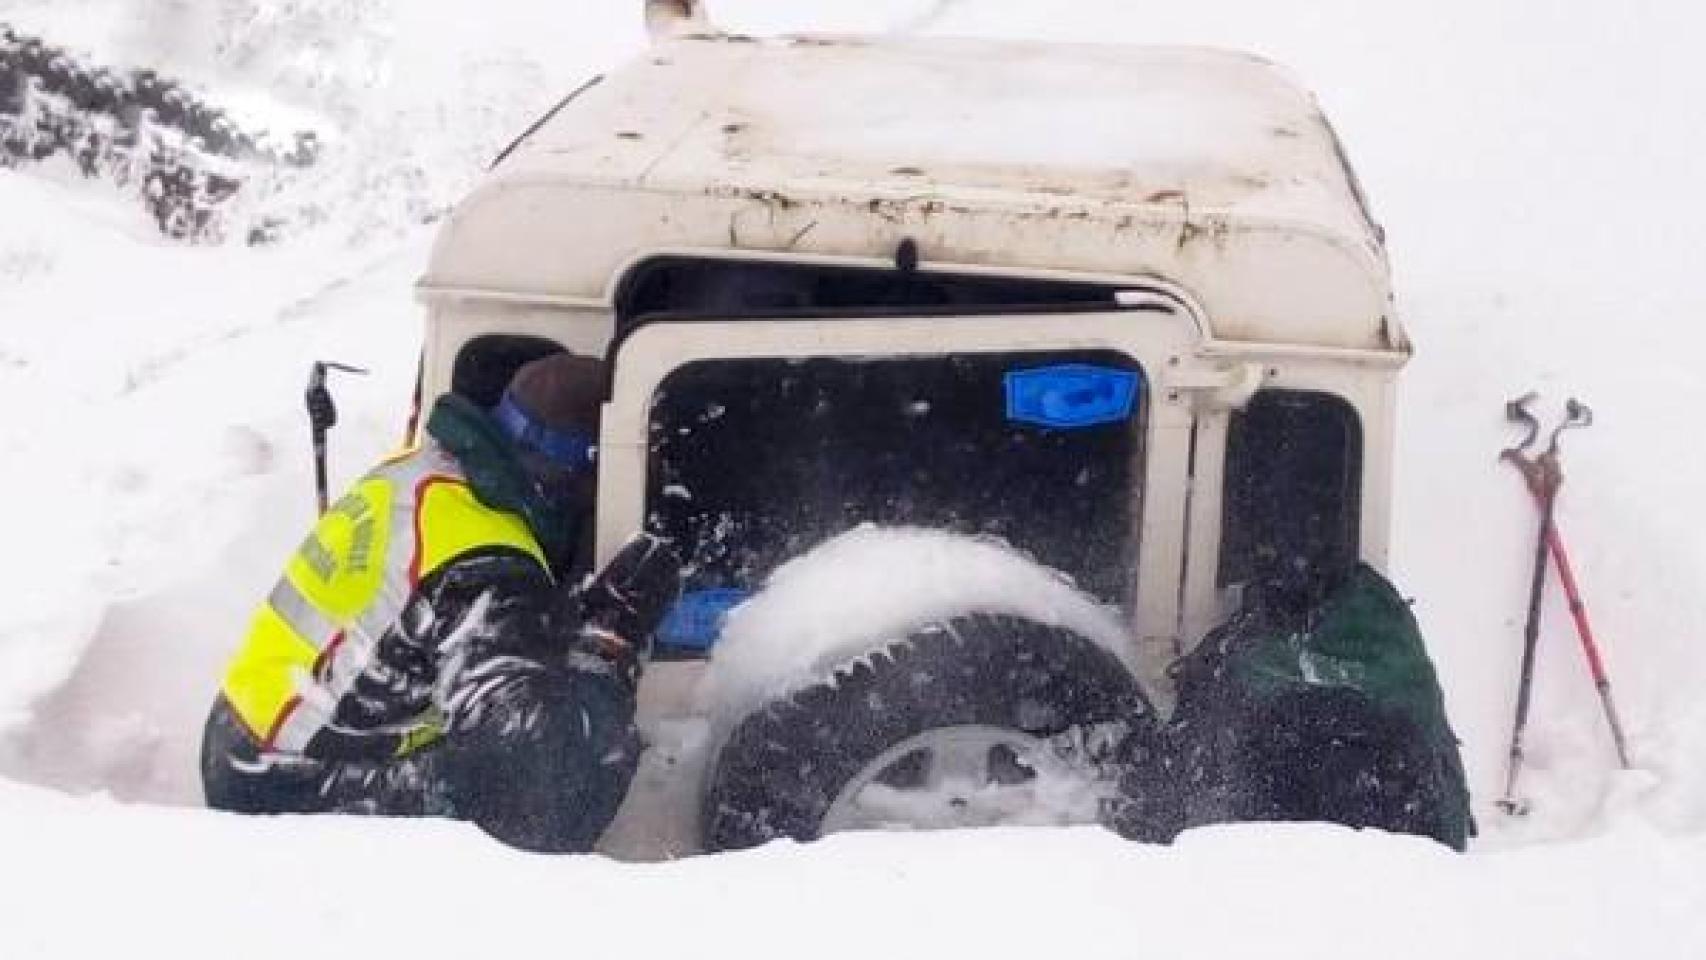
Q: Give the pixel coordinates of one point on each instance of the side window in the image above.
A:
(1291, 508)
(485, 364)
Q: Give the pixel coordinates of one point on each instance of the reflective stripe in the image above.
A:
(354, 654)
(294, 609)
(340, 658)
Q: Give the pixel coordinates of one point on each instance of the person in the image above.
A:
(422, 654)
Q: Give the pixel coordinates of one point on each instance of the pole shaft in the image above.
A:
(1530, 641)
(1590, 647)
(320, 470)
(1615, 723)
(1578, 610)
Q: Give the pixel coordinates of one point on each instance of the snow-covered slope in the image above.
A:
(1533, 163)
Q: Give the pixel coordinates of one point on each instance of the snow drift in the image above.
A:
(429, 888)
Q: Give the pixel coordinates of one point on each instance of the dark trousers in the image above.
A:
(543, 766)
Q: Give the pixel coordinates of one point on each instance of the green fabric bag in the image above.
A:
(1320, 711)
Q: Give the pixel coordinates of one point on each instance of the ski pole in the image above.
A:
(1534, 472)
(322, 417)
(1583, 415)
(1544, 476)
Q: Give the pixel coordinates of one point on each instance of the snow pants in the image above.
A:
(543, 767)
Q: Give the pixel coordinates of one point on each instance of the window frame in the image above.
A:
(1157, 341)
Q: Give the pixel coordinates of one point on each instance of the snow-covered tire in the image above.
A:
(981, 679)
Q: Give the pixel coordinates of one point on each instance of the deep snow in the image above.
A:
(1533, 163)
(107, 879)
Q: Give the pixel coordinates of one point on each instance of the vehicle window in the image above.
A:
(485, 364)
(673, 285)
(1291, 506)
(755, 461)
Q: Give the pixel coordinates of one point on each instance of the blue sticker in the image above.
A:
(1072, 396)
(696, 620)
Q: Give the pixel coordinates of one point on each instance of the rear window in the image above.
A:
(755, 461)
(485, 364)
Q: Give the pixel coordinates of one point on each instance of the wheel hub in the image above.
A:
(965, 776)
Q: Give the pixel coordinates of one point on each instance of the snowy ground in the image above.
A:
(1534, 164)
(403, 888)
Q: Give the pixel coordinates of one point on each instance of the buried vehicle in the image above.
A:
(1059, 347)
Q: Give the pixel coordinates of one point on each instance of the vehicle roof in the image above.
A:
(1208, 169)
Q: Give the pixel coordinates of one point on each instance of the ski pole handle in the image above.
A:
(322, 413)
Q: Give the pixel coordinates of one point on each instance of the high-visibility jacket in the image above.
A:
(341, 659)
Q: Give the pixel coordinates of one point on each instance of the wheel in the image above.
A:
(980, 721)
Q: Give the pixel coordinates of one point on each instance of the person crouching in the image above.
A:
(420, 655)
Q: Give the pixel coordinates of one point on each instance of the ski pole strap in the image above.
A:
(566, 447)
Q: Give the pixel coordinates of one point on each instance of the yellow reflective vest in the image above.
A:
(346, 586)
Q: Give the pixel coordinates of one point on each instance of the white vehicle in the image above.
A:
(1122, 308)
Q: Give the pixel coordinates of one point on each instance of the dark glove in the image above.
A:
(629, 597)
(322, 415)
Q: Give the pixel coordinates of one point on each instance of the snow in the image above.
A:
(268, 887)
(1533, 163)
(821, 112)
(870, 587)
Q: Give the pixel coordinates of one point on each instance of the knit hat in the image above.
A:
(551, 407)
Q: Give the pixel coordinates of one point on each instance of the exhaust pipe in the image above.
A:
(674, 18)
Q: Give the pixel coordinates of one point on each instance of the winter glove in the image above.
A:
(547, 761)
(322, 415)
(624, 603)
